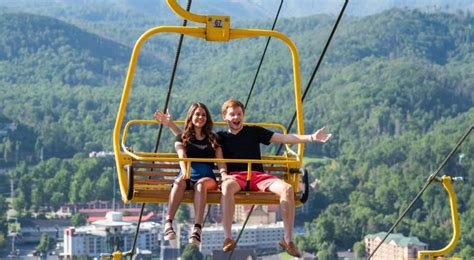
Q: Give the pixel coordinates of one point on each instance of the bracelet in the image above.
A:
(311, 138)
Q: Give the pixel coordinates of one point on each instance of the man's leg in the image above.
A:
(287, 206)
(229, 188)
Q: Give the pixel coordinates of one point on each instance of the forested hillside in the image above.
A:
(396, 89)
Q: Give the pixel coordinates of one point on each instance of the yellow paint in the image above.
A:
(446, 181)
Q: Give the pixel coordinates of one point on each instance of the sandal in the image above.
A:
(290, 248)
(169, 233)
(229, 245)
(195, 238)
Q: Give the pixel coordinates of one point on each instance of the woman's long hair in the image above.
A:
(189, 133)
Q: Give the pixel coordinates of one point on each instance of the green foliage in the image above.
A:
(191, 252)
(78, 219)
(55, 182)
(396, 89)
(359, 250)
(3, 221)
(183, 215)
(46, 243)
(3, 241)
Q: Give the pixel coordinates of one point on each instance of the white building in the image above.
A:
(106, 236)
(258, 237)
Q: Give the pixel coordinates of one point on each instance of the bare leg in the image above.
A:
(229, 188)
(176, 195)
(287, 206)
(200, 197)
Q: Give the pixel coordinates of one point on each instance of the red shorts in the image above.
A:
(259, 181)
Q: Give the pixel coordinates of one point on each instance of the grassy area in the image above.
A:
(285, 256)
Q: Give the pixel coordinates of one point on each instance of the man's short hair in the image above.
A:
(231, 103)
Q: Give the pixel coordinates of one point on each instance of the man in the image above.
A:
(243, 142)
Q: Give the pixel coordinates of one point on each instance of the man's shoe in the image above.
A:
(290, 248)
(229, 245)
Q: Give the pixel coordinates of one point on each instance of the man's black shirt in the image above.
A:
(244, 145)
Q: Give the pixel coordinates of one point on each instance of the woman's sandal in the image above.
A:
(195, 238)
(169, 232)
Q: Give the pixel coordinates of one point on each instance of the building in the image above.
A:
(68, 209)
(32, 229)
(262, 238)
(261, 214)
(106, 236)
(396, 246)
(215, 213)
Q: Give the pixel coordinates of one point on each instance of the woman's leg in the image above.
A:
(200, 197)
(176, 195)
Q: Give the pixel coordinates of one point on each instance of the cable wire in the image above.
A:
(263, 55)
(306, 90)
(241, 231)
(246, 103)
(428, 182)
(308, 86)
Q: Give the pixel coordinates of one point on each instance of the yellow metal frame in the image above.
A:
(446, 181)
(217, 28)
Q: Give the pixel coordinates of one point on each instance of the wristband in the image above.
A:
(311, 138)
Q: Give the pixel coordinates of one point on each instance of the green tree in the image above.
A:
(86, 191)
(359, 250)
(19, 203)
(3, 242)
(191, 252)
(7, 150)
(323, 254)
(78, 219)
(332, 252)
(46, 243)
(183, 214)
(3, 221)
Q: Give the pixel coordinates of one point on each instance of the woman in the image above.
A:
(196, 141)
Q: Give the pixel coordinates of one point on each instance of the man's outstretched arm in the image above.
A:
(319, 136)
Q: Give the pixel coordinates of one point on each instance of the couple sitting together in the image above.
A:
(198, 141)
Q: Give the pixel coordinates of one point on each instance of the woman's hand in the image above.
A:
(164, 119)
(181, 178)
